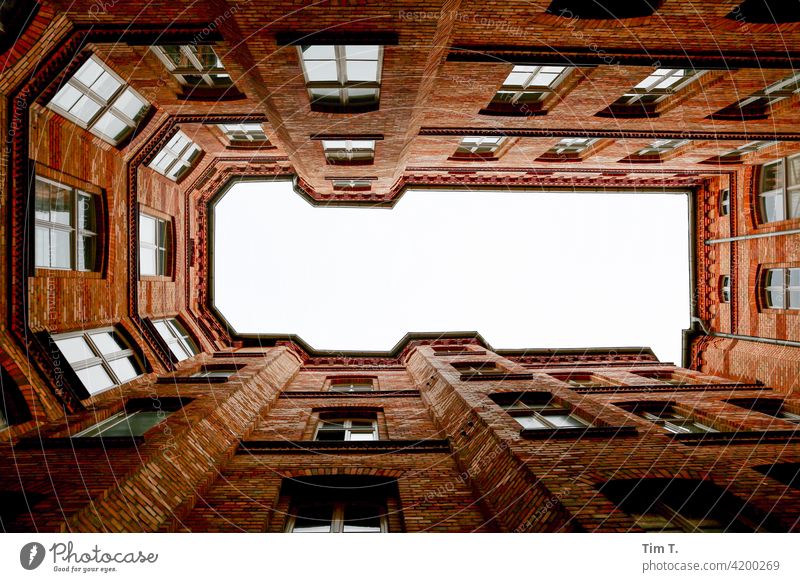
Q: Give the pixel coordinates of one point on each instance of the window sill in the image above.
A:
(496, 377)
(334, 394)
(155, 278)
(472, 158)
(749, 437)
(579, 433)
(355, 447)
(80, 442)
(66, 273)
(190, 380)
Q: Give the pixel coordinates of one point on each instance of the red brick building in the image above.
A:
(128, 405)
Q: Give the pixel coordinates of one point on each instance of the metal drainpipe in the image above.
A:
(763, 340)
(716, 241)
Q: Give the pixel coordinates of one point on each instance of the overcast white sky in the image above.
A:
(525, 269)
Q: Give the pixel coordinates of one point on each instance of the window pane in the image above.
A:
(147, 229)
(531, 422)
(327, 95)
(106, 342)
(564, 420)
(313, 519)
(178, 350)
(330, 435)
(111, 126)
(319, 51)
(362, 70)
(75, 349)
(147, 261)
(365, 52)
(130, 105)
(66, 97)
(42, 247)
(794, 203)
(60, 205)
(321, 71)
(362, 519)
(772, 205)
(87, 218)
(85, 109)
(772, 177)
(87, 253)
(60, 249)
(106, 85)
(357, 96)
(89, 72)
(95, 379)
(123, 369)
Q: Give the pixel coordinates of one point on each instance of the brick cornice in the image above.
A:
(609, 133)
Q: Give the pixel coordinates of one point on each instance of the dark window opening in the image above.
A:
(765, 12)
(13, 409)
(14, 504)
(604, 9)
(786, 473)
(139, 416)
(774, 407)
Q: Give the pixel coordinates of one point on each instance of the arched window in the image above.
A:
(681, 505)
(781, 288)
(779, 189)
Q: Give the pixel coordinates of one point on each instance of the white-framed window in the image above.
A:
(349, 150)
(342, 75)
(725, 289)
(177, 157)
(97, 99)
(153, 245)
(530, 83)
(347, 429)
(351, 184)
(674, 421)
(351, 385)
(748, 148)
(344, 516)
(480, 145)
(659, 85)
(771, 94)
(177, 338)
(661, 147)
(782, 288)
(477, 368)
(779, 189)
(539, 412)
(100, 358)
(214, 374)
(194, 65)
(66, 227)
(243, 133)
(572, 145)
(725, 202)
(138, 417)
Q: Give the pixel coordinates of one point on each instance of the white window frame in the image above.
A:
(675, 422)
(784, 289)
(76, 232)
(98, 359)
(773, 93)
(178, 339)
(243, 133)
(337, 517)
(748, 148)
(783, 193)
(342, 84)
(345, 183)
(531, 90)
(210, 76)
(214, 374)
(725, 202)
(347, 427)
(480, 145)
(352, 385)
(539, 415)
(106, 105)
(573, 145)
(725, 289)
(179, 157)
(161, 247)
(662, 146)
(353, 150)
(650, 88)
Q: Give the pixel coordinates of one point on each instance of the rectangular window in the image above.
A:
(99, 357)
(724, 202)
(66, 227)
(779, 189)
(243, 133)
(99, 100)
(342, 77)
(347, 429)
(526, 87)
(572, 145)
(349, 150)
(351, 184)
(351, 385)
(194, 65)
(538, 411)
(659, 85)
(484, 146)
(177, 157)
(177, 338)
(774, 407)
(153, 245)
(667, 416)
(782, 288)
(725, 289)
(758, 103)
(661, 147)
(139, 416)
(748, 148)
(214, 374)
(478, 368)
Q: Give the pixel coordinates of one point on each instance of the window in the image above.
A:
(579, 380)
(571, 146)
(538, 411)
(748, 148)
(665, 414)
(782, 288)
(214, 374)
(483, 146)
(243, 133)
(352, 184)
(661, 147)
(605, 9)
(478, 368)
(680, 505)
(765, 12)
(194, 65)
(774, 407)
(341, 504)
(786, 473)
(153, 245)
(100, 358)
(99, 100)
(139, 416)
(177, 157)
(351, 385)
(525, 88)
(659, 85)
(66, 227)
(177, 338)
(724, 202)
(758, 104)
(347, 429)
(339, 151)
(342, 77)
(779, 189)
(13, 408)
(725, 289)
